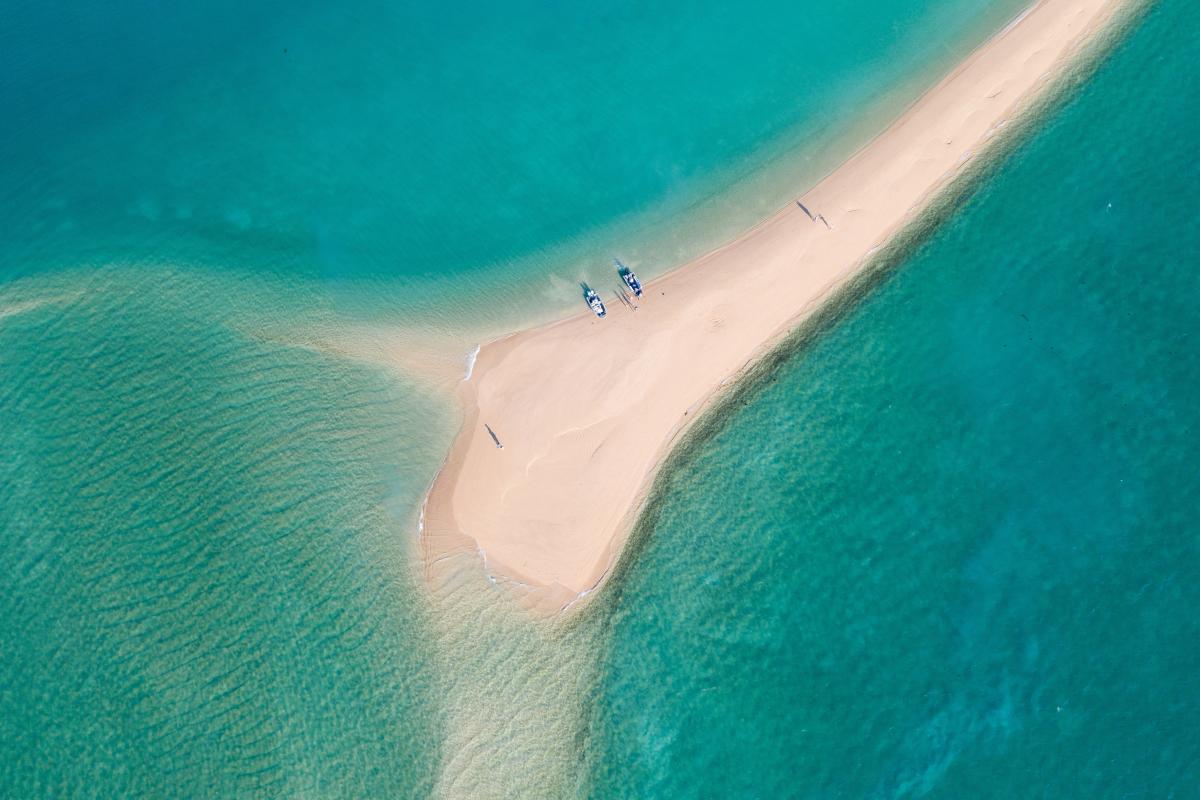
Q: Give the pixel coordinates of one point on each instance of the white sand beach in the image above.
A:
(587, 409)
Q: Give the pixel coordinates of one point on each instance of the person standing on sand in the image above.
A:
(495, 438)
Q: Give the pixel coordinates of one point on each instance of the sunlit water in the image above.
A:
(208, 495)
(949, 548)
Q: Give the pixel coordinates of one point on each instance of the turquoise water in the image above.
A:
(207, 510)
(949, 549)
(435, 151)
(209, 485)
(200, 554)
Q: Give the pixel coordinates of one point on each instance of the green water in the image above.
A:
(209, 484)
(202, 590)
(949, 548)
(416, 160)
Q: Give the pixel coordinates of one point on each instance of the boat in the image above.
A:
(630, 279)
(594, 302)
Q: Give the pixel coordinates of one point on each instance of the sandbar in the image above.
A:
(587, 409)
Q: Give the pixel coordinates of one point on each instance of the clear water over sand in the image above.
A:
(431, 151)
(207, 520)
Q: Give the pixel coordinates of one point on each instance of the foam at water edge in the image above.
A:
(471, 356)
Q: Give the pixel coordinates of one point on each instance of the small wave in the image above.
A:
(487, 572)
(471, 362)
(577, 598)
(1016, 21)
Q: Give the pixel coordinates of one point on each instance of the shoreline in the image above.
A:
(590, 409)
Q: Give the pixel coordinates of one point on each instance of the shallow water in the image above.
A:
(949, 548)
(208, 498)
(204, 556)
(429, 153)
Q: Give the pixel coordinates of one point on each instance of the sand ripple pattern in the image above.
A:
(207, 587)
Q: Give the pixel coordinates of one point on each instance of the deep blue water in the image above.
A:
(949, 548)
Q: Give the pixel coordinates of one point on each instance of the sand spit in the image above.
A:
(587, 408)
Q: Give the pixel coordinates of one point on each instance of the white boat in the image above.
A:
(631, 280)
(594, 302)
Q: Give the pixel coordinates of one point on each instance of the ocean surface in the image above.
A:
(944, 548)
(469, 163)
(950, 547)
